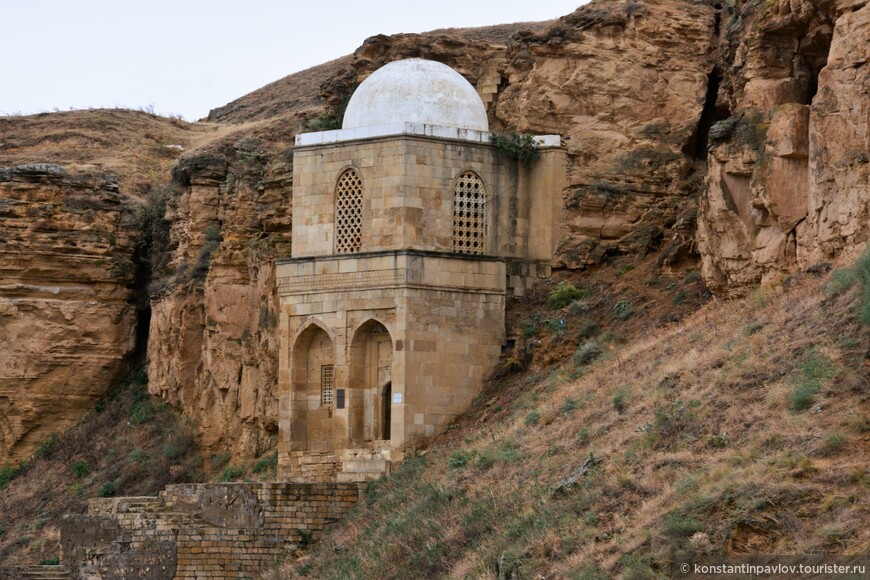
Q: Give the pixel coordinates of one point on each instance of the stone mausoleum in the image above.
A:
(409, 230)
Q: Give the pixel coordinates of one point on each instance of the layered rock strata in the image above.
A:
(67, 318)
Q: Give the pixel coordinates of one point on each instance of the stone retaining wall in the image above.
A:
(214, 531)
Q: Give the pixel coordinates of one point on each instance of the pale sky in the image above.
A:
(188, 56)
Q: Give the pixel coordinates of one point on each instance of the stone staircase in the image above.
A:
(220, 530)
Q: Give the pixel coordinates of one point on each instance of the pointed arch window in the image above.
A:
(348, 213)
(469, 214)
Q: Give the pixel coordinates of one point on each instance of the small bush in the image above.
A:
(142, 412)
(583, 435)
(7, 474)
(532, 418)
(522, 147)
(528, 327)
(624, 270)
(270, 463)
(564, 294)
(50, 561)
(218, 460)
(680, 297)
(678, 525)
(513, 365)
(569, 405)
(623, 310)
(231, 473)
(81, 468)
(833, 444)
(692, 276)
(589, 329)
(587, 352)
(459, 459)
(485, 459)
(802, 396)
(108, 489)
(46, 447)
(620, 399)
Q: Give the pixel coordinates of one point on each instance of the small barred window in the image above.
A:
(327, 384)
(469, 215)
(348, 213)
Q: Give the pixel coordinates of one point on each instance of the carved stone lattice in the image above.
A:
(327, 384)
(469, 215)
(348, 213)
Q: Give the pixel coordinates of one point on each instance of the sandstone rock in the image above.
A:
(787, 182)
(67, 318)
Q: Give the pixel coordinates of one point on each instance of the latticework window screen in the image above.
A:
(469, 215)
(327, 384)
(348, 213)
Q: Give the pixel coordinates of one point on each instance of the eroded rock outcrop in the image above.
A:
(214, 346)
(625, 84)
(67, 317)
(787, 175)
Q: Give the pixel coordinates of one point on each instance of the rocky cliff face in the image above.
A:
(788, 172)
(214, 346)
(67, 318)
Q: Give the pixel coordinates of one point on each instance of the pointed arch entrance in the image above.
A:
(312, 390)
(370, 384)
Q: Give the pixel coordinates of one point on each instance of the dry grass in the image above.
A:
(139, 147)
(131, 444)
(703, 454)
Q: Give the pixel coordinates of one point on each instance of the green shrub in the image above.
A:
(218, 460)
(459, 458)
(677, 525)
(587, 352)
(142, 412)
(564, 294)
(485, 459)
(692, 276)
(532, 418)
(50, 561)
(833, 444)
(518, 146)
(108, 489)
(569, 405)
(589, 329)
(270, 463)
(619, 399)
(231, 473)
(81, 468)
(7, 474)
(528, 327)
(624, 270)
(623, 310)
(583, 435)
(680, 297)
(802, 396)
(46, 447)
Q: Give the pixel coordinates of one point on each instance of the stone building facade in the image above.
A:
(409, 230)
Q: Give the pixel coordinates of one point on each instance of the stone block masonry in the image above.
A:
(198, 531)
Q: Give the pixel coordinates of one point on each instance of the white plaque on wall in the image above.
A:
(397, 398)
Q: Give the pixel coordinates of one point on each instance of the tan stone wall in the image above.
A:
(211, 531)
(433, 306)
(408, 185)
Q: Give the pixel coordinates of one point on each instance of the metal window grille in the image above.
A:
(348, 213)
(469, 215)
(327, 384)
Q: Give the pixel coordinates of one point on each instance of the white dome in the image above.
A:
(415, 90)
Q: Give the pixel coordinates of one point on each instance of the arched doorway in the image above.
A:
(312, 390)
(371, 366)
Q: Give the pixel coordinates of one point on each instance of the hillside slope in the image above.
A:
(741, 430)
